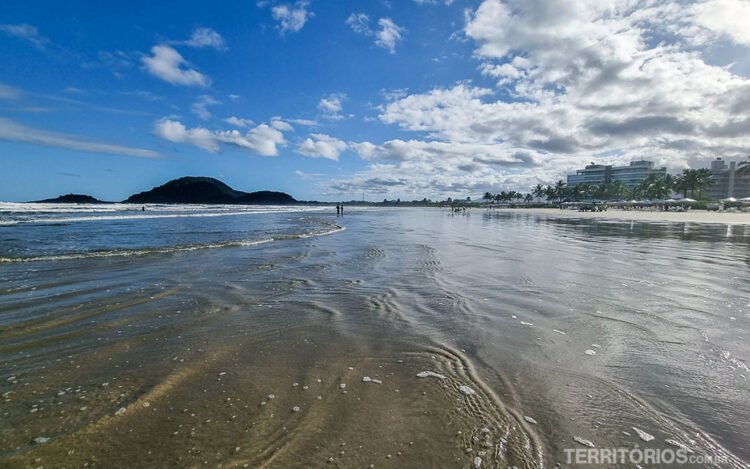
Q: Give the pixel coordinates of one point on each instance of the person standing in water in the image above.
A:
(338, 210)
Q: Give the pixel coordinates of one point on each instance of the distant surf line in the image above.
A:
(165, 250)
(145, 217)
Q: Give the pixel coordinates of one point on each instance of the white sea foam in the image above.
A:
(529, 419)
(643, 435)
(466, 390)
(429, 374)
(590, 352)
(16, 213)
(559, 332)
(676, 443)
(167, 250)
(583, 441)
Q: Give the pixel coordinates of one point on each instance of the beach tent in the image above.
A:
(687, 199)
(729, 199)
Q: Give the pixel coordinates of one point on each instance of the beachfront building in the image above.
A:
(630, 175)
(726, 182)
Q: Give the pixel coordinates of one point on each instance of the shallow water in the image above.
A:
(155, 339)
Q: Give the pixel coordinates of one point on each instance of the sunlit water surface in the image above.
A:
(193, 336)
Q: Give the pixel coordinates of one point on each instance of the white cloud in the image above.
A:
(26, 32)
(305, 122)
(724, 17)
(291, 17)
(307, 176)
(206, 37)
(262, 140)
(15, 132)
(322, 146)
(388, 35)
(604, 80)
(282, 125)
(200, 106)
(332, 106)
(167, 64)
(447, 153)
(239, 122)
(360, 23)
(177, 132)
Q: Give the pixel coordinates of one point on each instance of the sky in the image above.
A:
(339, 100)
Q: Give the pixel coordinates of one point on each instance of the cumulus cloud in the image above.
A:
(332, 105)
(167, 64)
(387, 36)
(279, 124)
(206, 37)
(360, 23)
(322, 146)
(15, 132)
(25, 32)
(262, 140)
(606, 80)
(305, 122)
(200, 106)
(291, 18)
(446, 154)
(239, 122)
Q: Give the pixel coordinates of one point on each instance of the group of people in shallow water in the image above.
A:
(339, 209)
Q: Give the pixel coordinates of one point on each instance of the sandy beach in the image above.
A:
(693, 216)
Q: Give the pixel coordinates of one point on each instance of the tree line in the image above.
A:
(692, 182)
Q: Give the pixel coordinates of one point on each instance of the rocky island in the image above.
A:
(72, 199)
(206, 190)
(188, 190)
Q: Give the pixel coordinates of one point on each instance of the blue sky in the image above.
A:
(330, 99)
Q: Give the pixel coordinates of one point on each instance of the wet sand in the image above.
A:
(692, 216)
(255, 356)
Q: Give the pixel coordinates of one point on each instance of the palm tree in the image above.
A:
(538, 191)
(655, 186)
(680, 184)
(528, 198)
(487, 196)
(561, 190)
(617, 189)
(743, 169)
(583, 190)
(690, 178)
(703, 181)
(549, 193)
(600, 191)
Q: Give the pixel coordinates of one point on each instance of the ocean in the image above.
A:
(226, 336)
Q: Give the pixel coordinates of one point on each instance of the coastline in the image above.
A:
(693, 216)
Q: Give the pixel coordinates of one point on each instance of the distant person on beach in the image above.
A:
(342, 209)
(338, 209)
(143, 208)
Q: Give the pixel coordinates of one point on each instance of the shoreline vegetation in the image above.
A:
(653, 190)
